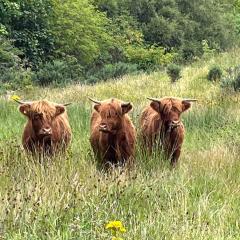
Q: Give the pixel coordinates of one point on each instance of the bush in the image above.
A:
(58, 72)
(13, 75)
(214, 74)
(174, 72)
(16, 78)
(148, 58)
(109, 71)
(232, 80)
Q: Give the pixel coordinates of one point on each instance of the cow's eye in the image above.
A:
(175, 109)
(37, 116)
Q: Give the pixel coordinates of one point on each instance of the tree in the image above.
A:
(79, 30)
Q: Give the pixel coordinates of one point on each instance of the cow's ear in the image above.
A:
(25, 109)
(126, 107)
(59, 110)
(156, 105)
(97, 107)
(185, 105)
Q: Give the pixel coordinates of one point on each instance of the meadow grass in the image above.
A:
(68, 198)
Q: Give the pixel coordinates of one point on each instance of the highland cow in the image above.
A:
(47, 130)
(113, 135)
(161, 124)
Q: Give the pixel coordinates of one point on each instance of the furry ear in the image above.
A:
(156, 106)
(126, 107)
(96, 107)
(25, 109)
(185, 105)
(59, 110)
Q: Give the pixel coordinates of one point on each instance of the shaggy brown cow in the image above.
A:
(160, 123)
(47, 129)
(113, 135)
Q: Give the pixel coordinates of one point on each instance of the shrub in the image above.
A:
(174, 72)
(16, 78)
(58, 72)
(232, 80)
(148, 58)
(13, 75)
(214, 74)
(109, 71)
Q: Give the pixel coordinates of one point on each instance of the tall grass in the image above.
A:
(68, 198)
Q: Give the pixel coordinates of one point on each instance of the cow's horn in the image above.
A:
(95, 101)
(124, 104)
(18, 101)
(153, 99)
(190, 100)
(67, 104)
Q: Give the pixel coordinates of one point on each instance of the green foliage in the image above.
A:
(214, 74)
(174, 72)
(9, 55)
(58, 72)
(27, 22)
(81, 32)
(110, 71)
(148, 57)
(231, 81)
(12, 73)
(103, 35)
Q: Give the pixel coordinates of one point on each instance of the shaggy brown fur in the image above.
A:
(113, 135)
(47, 129)
(160, 123)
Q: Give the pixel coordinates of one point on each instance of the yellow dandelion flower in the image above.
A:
(122, 229)
(15, 97)
(116, 226)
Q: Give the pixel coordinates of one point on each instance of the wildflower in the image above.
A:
(116, 226)
(15, 97)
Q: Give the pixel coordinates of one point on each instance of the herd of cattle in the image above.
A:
(113, 135)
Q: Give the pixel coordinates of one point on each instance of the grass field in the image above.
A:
(67, 198)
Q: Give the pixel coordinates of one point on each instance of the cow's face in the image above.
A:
(41, 119)
(170, 109)
(111, 113)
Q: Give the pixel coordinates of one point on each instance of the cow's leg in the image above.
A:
(174, 157)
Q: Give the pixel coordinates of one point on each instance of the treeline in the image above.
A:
(60, 41)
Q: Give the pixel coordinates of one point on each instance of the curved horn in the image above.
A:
(125, 104)
(153, 99)
(95, 101)
(20, 102)
(190, 100)
(67, 104)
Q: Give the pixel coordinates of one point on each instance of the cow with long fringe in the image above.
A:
(161, 125)
(113, 135)
(47, 130)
